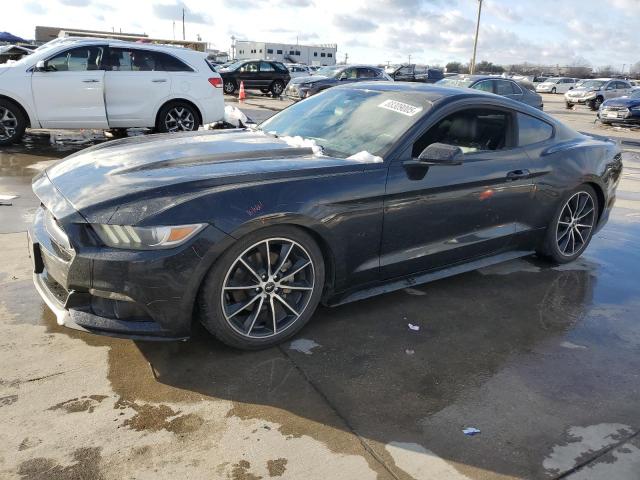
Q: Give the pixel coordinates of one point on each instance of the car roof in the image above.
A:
(70, 41)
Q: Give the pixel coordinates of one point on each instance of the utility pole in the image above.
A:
(346, 57)
(183, 35)
(409, 59)
(472, 68)
(174, 29)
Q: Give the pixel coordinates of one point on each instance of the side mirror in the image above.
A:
(41, 66)
(441, 154)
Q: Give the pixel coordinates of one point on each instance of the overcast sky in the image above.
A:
(604, 32)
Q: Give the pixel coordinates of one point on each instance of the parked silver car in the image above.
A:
(594, 92)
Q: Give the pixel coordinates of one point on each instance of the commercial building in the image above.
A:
(46, 34)
(323, 54)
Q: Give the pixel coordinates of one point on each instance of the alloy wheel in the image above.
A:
(229, 87)
(277, 88)
(575, 224)
(179, 119)
(8, 124)
(268, 287)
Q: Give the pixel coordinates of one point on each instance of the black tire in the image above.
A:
(595, 104)
(177, 117)
(264, 90)
(554, 238)
(553, 90)
(117, 132)
(277, 88)
(12, 122)
(568, 105)
(229, 87)
(215, 296)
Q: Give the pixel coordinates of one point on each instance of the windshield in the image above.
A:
(593, 84)
(328, 71)
(348, 121)
(457, 82)
(236, 65)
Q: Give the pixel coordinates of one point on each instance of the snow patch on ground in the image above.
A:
(234, 116)
(420, 463)
(303, 345)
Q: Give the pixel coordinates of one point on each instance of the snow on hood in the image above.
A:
(365, 157)
(300, 142)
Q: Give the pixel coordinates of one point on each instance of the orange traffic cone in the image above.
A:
(242, 95)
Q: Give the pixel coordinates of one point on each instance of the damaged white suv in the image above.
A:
(108, 84)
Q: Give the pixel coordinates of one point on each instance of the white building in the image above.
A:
(324, 54)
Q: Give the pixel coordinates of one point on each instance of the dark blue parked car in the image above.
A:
(621, 110)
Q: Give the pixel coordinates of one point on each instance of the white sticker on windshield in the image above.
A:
(403, 108)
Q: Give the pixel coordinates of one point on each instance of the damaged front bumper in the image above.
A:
(141, 295)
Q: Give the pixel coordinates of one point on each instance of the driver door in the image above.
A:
(249, 74)
(439, 215)
(69, 92)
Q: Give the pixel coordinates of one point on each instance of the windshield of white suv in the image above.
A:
(348, 121)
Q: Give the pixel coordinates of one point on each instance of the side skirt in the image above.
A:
(425, 277)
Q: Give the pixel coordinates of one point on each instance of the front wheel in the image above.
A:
(553, 90)
(264, 289)
(595, 104)
(12, 122)
(571, 228)
(177, 117)
(568, 105)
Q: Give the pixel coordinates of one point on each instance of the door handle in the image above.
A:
(159, 80)
(90, 80)
(518, 174)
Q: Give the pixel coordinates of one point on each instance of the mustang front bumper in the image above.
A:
(147, 295)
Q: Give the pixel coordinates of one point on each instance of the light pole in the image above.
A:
(472, 68)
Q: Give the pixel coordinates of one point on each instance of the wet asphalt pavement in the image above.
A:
(543, 360)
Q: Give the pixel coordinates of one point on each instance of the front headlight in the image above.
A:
(590, 95)
(146, 238)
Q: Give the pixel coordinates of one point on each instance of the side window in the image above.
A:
(366, 73)
(79, 59)
(250, 67)
(169, 63)
(405, 70)
(484, 85)
(280, 67)
(473, 130)
(349, 73)
(531, 130)
(266, 67)
(504, 87)
(610, 86)
(132, 60)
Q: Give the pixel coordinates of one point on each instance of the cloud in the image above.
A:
(174, 12)
(76, 3)
(35, 8)
(297, 3)
(351, 23)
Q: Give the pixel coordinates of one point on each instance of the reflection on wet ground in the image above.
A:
(535, 356)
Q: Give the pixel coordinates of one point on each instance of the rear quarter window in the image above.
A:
(531, 130)
(169, 63)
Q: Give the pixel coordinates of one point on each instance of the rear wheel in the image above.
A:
(177, 117)
(12, 122)
(263, 289)
(277, 88)
(571, 228)
(229, 87)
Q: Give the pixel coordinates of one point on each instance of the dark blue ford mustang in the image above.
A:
(621, 109)
(359, 190)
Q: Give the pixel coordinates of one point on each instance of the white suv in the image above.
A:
(556, 85)
(108, 84)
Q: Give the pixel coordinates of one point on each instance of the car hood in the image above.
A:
(583, 89)
(174, 167)
(622, 102)
(310, 79)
